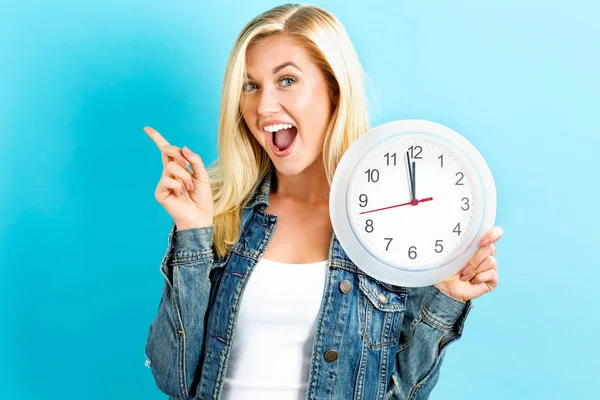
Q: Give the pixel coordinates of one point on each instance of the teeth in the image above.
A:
(275, 128)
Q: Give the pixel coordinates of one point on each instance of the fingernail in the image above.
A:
(486, 241)
(186, 150)
(467, 270)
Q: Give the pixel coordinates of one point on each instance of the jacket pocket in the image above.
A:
(380, 311)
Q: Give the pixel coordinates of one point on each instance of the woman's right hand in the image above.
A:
(185, 194)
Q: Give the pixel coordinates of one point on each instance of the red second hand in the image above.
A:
(414, 203)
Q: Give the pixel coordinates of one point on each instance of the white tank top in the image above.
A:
(272, 345)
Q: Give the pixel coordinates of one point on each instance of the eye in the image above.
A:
(287, 81)
(249, 86)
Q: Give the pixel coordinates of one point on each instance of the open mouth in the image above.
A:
(282, 141)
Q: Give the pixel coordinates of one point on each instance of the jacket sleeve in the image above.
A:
(176, 336)
(432, 321)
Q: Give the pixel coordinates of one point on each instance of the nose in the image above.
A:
(268, 102)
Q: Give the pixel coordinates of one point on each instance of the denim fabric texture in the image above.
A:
(373, 340)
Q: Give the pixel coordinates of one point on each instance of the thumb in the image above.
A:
(199, 173)
(198, 169)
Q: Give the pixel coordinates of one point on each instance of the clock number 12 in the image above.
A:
(412, 149)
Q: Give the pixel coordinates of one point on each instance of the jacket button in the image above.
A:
(346, 286)
(382, 298)
(331, 356)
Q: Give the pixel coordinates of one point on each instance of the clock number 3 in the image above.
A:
(466, 200)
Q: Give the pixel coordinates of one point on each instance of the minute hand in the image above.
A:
(410, 176)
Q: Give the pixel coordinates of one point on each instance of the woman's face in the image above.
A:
(284, 88)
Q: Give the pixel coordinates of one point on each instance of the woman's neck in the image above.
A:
(309, 187)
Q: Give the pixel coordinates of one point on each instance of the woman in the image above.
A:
(260, 300)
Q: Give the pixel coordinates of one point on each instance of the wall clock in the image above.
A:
(410, 200)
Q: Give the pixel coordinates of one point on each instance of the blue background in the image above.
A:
(82, 237)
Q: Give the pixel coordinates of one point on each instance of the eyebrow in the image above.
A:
(280, 67)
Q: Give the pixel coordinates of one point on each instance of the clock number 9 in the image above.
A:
(369, 225)
(363, 200)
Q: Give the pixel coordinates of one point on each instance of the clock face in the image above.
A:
(410, 200)
(406, 232)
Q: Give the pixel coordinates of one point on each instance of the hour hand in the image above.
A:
(414, 180)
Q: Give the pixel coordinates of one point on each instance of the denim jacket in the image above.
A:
(373, 340)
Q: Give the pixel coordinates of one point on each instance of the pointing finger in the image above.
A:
(156, 137)
(166, 149)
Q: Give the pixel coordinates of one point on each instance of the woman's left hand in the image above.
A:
(480, 275)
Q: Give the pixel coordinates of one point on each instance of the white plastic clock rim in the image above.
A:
(338, 206)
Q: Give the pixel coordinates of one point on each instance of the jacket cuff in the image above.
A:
(445, 312)
(187, 246)
(192, 245)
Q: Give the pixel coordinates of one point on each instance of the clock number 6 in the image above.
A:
(411, 252)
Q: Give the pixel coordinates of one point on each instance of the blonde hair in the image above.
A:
(242, 163)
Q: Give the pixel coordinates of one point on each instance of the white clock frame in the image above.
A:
(483, 186)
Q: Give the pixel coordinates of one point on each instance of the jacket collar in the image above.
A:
(260, 197)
